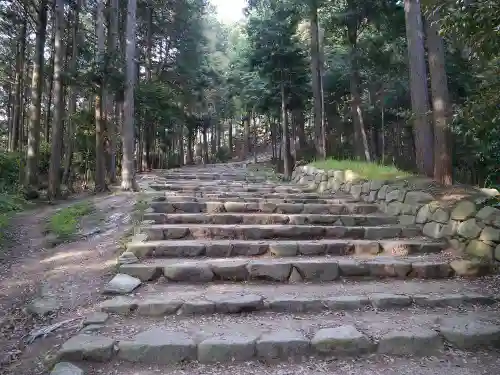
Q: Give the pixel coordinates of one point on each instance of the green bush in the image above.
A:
(64, 223)
(11, 165)
(222, 155)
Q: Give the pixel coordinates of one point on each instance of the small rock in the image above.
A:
(282, 344)
(92, 328)
(96, 318)
(463, 210)
(128, 257)
(43, 306)
(122, 284)
(226, 349)
(417, 341)
(341, 340)
(66, 368)
(87, 347)
(118, 305)
(295, 276)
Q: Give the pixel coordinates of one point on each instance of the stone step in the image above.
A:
(162, 304)
(262, 218)
(289, 269)
(236, 248)
(263, 206)
(156, 232)
(275, 337)
(252, 198)
(216, 188)
(215, 176)
(463, 363)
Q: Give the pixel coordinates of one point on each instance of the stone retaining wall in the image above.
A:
(467, 217)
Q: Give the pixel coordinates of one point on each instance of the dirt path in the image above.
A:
(71, 274)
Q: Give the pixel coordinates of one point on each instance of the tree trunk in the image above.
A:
(418, 88)
(246, 125)
(100, 171)
(57, 127)
(205, 146)
(72, 94)
(230, 138)
(360, 137)
(316, 82)
(50, 89)
(36, 100)
(287, 158)
(440, 101)
(111, 105)
(18, 95)
(128, 171)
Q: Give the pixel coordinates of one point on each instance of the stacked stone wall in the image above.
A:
(469, 218)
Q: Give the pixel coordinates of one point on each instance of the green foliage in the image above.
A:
(64, 223)
(222, 155)
(11, 165)
(370, 171)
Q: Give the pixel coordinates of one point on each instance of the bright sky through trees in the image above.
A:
(229, 10)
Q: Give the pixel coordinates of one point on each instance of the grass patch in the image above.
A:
(64, 223)
(369, 171)
(9, 205)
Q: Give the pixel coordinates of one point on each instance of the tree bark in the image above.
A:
(100, 170)
(31, 181)
(18, 95)
(440, 101)
(287, 158)
(418, 88)
(112, 105)
(128, 171)
(319, 140)
(57, 128)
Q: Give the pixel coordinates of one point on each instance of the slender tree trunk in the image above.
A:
(440, 101)
(50, 89)
(18, 95)
(57, 128)
(100, 171)
(360, 138)
(418, 88)
(287, 158)
(230, 138)
(205, 146)
(31, 181)
(72, 94)
(246, 125)
(111, 105)
(316, 82)
(128, 171)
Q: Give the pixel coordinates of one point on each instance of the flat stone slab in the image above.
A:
(346, 302)
(388, 300)
(342, 340)
(158, 346)
(96, 318)
(87, 347)
(118, 305)
(158, 306)
(469, 333)
(122, 284)
(143, 272)
(282, 344)
(193, 272)
(228, 348)
(66, 368)
(237, 303)
(418, 341)
(43, 306)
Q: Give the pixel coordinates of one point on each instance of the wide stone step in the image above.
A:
(162, 304)
(276, 337)
(289, 269)
(299, 231)
(268, 207)
(261, 218)
(235, 248)
(216, 188)
(251, 198)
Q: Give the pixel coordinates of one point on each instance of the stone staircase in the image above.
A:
(231, 267)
